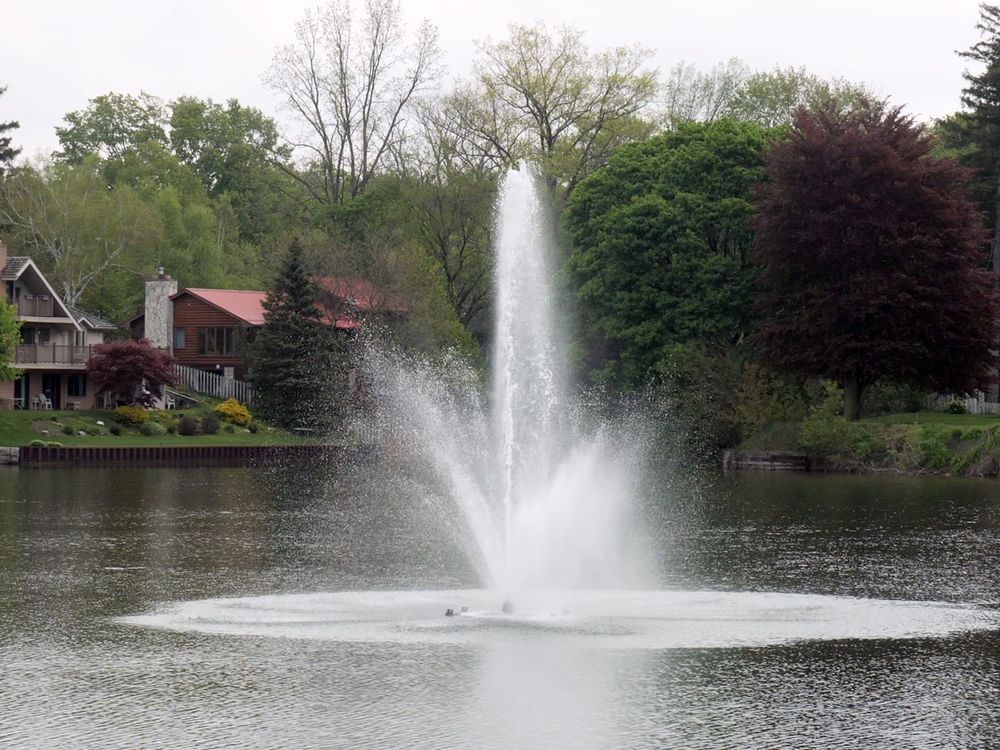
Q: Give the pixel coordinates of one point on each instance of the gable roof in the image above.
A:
(361, 294)
(91, 320)
(248, 306)
(13, 268)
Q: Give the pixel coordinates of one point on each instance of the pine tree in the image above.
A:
(7, 152)
(297, 373)
(975, 132)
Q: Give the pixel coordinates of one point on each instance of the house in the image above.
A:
(212, 329)
(56, 341)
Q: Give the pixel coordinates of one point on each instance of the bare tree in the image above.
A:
(351, 82)
(574, 106)
(690, 94)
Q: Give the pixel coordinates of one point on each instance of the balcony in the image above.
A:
(35, 307)
(51, 354)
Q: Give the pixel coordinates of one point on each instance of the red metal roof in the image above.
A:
(248, 306)
(361, 294)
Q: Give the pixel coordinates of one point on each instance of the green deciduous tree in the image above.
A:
(662, 244)
(110, 127)
(75, 226)
(299, 369)
(768, 98)
(10, 337)
(872, 258)
(236, 152)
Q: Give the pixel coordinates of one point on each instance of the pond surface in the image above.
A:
(82, 549)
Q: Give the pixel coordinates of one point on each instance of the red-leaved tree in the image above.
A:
(872, 258)
(121, 368)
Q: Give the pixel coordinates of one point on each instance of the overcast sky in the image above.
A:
(57, 54)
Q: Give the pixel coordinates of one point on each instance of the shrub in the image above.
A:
(131, 416)
(153, 428)
(187, 426)
(53, 444)
(956, 407)
(115, 429)
(172, 428)
(253, 427)
(230, 428)
(209, 424)
(37, 443)
(67, 430)
(233, 411)
(835, 438)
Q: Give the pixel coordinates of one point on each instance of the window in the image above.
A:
(216, 341)
(180, 338)
(76, 385)
(79, 338)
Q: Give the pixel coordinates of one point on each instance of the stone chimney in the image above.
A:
(159, 310)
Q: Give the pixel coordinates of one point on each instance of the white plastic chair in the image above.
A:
(44, 402)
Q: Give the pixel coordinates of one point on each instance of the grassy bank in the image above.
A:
(96, 428)
(922, 442)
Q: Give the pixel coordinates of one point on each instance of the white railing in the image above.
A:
(217, 386)
(974, 404)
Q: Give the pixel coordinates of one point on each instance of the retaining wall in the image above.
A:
(183, 455)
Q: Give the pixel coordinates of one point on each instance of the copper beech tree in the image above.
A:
(123, 368)
(872, 258)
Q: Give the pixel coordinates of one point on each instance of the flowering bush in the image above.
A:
(131, 416)
(233, 411)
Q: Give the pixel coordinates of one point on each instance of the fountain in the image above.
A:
(546, 498)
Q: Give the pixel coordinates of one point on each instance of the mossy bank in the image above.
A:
(917, 443)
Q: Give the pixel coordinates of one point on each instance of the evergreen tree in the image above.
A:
(974, 133)
(297, 374)
(7, 152)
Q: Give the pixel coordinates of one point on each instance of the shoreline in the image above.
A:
(37, 457)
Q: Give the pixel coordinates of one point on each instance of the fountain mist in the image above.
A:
(542, 487)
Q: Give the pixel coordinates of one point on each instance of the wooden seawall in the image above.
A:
(185, 455)
(765, 460)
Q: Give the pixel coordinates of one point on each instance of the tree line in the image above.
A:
(674, 261)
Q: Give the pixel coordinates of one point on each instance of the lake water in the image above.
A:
(81, 549)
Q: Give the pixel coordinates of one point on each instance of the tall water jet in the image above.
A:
(527, 380)
(543, 489)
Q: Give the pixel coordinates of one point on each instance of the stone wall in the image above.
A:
(159, 311)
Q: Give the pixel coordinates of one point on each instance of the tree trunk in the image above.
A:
(853, 393)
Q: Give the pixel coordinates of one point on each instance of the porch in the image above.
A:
(70, 355)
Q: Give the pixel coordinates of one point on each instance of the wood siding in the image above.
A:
(191, 313)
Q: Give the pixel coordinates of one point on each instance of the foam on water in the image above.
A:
(588, 619)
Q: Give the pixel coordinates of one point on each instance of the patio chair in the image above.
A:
(168, 401)
(44, 402)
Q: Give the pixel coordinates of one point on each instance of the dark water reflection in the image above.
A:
(78, 548)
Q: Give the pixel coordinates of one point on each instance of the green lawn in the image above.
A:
(21, 427)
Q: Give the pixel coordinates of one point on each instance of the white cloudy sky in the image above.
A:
(56, 54)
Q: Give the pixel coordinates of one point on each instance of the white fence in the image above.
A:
(214, 385)
(974, 404)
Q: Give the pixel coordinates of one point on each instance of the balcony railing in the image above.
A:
(54, 354)
(30, 305)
